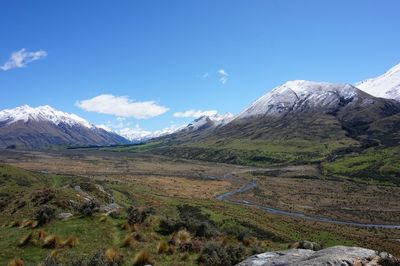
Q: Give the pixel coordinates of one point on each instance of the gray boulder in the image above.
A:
(333, 256)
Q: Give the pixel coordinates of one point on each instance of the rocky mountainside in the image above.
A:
(385, 86)
(338, 255)
(44, 126)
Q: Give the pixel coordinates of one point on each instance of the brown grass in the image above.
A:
(142, 258)
(41, 234)
(128, 241)
(162, 247)
(183, 236)
(113, 256)
(25, 240)
(16, 262)
(29, 224)
(70, 242)
(15, 224)
(51, 241)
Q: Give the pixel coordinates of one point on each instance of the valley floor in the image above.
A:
(164, 183)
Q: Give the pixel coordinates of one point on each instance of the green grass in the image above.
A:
(379, 164)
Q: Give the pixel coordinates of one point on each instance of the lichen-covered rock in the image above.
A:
(333, 256)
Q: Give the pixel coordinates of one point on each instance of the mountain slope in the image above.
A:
(297, 121)
(385, 86)
(44, 126)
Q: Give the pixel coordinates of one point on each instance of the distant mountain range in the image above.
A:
(302, 110)
(44, 126)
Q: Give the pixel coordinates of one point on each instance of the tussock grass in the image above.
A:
(182, 237)
(162, 247)
(128, 241)
(142, 258)
(51, 241)
(16, 262)
(25, 240)
(113, 256)
(70, 242)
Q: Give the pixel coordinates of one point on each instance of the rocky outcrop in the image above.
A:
(333, 256)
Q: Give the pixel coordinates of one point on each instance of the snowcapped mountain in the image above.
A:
(29, 127)
(138, 134)
(212, 121)
(385, 86)
(26, 113)
(301, 95)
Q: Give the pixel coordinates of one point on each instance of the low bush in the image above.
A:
(214, 254)
(88, 208)
(44, 215)
(137, 216)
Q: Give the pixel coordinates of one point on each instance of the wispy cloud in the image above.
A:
(122, 106)
(21, 58)
(195, 113)
(223, 76)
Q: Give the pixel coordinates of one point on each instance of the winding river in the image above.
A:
(253, 184)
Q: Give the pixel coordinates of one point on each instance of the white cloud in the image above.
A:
(139, 134)
(21, 58)
(223, 76)
(122, 106)
(195, 113)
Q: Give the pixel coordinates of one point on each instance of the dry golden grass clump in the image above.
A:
(16, 262)
(128, 241)
(54, 253)
(113, 256)
(41, 234)
(142, 258)
(15, 224)
(51, 241)
(29, 224)
(162, 247)
(25, 240)
(182, 237)
(70, 242)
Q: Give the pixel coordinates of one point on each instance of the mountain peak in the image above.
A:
(301, 95)
(386, 86)
(46, 113)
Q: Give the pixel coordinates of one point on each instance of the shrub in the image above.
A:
(168, 226)
(16, 262)
(44, 215)
(142, 258)
(137, 216)
(213, 254)
(162, 247)
(88, 208)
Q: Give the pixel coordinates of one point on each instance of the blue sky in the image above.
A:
(170, 54)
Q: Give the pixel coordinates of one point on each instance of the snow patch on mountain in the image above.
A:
(299, 95)
(384, 86)
(46, 113)
(209, 121)
(138, 134)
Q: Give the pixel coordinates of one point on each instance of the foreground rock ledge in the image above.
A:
(338, 255)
